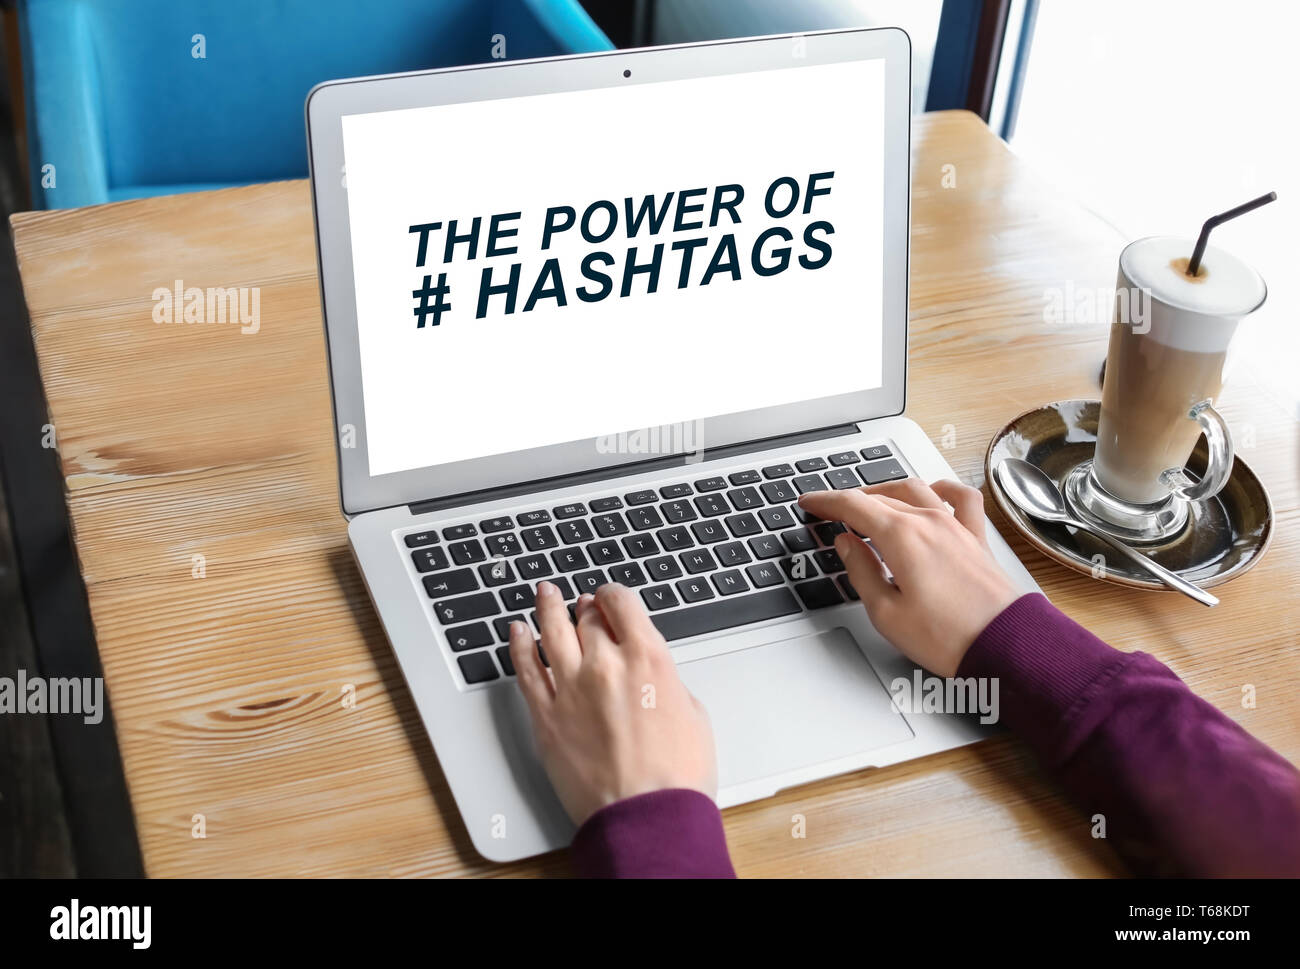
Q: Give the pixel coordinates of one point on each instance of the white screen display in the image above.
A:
(749, 274)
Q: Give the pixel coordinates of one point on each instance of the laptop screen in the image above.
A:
(559, 267)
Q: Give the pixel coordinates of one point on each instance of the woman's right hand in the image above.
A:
(946, 585)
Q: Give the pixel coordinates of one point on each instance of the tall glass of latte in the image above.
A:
(1165, 367)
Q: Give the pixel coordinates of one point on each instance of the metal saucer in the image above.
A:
(1224, 536)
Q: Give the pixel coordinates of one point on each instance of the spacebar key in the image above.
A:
(725, 613)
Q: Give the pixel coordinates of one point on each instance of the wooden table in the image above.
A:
(196, 440)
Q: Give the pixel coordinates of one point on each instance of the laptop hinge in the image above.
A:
(625, 470)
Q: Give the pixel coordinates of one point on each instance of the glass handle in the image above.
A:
(1217, 468)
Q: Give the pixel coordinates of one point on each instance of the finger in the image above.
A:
(865, 514)
(593, 633)
(534, 680)
(910, 491)
(559, 638)
(866, 574)
(624, 613)
(967, 504)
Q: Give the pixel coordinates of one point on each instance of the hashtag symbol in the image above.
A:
(423, 308)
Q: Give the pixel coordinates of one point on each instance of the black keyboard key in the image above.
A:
(766, 547)
(828, 561)
(566, 591)
(518, 597)
(878, 471)
(826, 531)
(643, 497)
(573, 532)
(742, 499)
(876, 453)
(466, 553)
(539, 538)
(609, 525)
(819, 593)
(679, 490)
(569, 559)
(777, 471)
(716, 483)
(732, 553)
(533, 567)
(711, 505)
(806, 517)
(643, 518)
(777, 518)
(430, 559)
(679, 511)
(764, 574)
(847, 587)
(454, 533)
(639, 546)
(605, 553)
(475, 606)
(663, 568)
(421, 538)
(450, 583)
(628, 574)
(799, 540)
(842, 458)
(504, 545)
(575, 509)
(810, 464)
(694, 590)
(841, 479)
(659, 597)
(739, 478)
(729, 583)
(530, 518)
(496, 572)
(743, 525)
(698, 560)
(502, 626)
(589, 582)
(809, 482)
(472, 636)
(500, 524)
(675, 538)
(725, 613)
(606, 504)
(779, 492)
(573, 616)
(478, 667)
(503, 657)
(798, 567)
(708, 532)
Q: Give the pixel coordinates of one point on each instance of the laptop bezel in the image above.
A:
(329, 102)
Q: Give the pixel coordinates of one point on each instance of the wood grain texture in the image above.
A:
(179, 440)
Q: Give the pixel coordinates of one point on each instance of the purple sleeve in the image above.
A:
(664, 834)
(1183, 789)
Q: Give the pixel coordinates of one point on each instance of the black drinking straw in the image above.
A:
(1194, 265)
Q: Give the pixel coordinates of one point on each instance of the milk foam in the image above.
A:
(1198, 314)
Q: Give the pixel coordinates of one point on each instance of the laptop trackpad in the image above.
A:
(792, 704)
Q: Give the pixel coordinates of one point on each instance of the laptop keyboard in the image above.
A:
(713, 553)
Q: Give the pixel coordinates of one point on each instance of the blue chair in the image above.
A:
(129, 98)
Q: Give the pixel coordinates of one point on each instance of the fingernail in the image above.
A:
(517, 628)
(586, 597)
(545, 588)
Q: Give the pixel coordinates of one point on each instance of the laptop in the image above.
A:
(603, 318)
